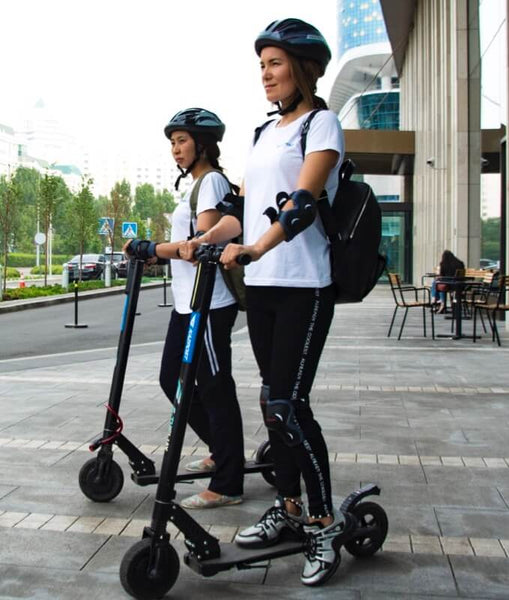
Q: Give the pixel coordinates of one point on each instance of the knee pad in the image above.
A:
(281, 418)
(264, 397)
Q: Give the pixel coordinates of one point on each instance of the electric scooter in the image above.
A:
(150, 567)
(101, 478)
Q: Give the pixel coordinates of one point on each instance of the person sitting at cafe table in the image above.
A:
(449, 265)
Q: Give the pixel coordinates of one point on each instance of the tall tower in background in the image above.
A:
(365, 91)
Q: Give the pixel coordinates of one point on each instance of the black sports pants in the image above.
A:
(288, 328)
(215, 414)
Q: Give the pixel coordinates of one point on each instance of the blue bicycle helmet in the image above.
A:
(196, 121)
(298, 38)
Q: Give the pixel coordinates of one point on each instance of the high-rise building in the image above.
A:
(365, 95)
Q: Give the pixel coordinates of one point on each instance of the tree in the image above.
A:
(159, 222)
(119, 208)
(168, 201)
(9, 212)
(82, 221)
(27, 181)
(144, 199)
(490, 238)
(50, 190)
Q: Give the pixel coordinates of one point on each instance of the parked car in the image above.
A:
(489, 264)
(119, 264)
(92, 266)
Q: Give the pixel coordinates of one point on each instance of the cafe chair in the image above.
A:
(480, 291)
(407, 297)
(494, 301)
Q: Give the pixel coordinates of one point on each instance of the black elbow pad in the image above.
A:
(301, 216)
(232, 205)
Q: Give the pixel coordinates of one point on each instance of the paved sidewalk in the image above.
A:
(426, 420)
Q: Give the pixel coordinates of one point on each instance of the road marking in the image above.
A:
(125, 527)
(409, 389)
(483, 462)
(76, 352)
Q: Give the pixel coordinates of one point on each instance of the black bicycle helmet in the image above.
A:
(196, 120)
(298, 38)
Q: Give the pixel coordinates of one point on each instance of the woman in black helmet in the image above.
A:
(290, 297)
(215, 416)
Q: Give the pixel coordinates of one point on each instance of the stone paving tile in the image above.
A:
(34, 521)
(59, 523)
(487, 547)
(456, 546)
(481, 577)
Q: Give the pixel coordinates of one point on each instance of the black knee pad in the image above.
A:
(281, 418)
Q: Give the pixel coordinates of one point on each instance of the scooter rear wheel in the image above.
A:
(264, 455)
(101, 486)
(372, 516)
(134, 570)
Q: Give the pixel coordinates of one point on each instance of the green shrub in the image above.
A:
(33, 291)
(55, 270)
(11, 273)
(18, 259)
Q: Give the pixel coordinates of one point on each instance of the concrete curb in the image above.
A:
(16, 305)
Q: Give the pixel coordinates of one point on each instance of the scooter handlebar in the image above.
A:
(211, 252)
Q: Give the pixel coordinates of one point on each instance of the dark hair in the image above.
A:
(206, 143)
(449, 264)
(305, 74)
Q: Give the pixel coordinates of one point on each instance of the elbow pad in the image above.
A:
(300, 217)
(142, 249)
(232, 205)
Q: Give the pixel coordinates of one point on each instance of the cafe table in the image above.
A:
(457, 285)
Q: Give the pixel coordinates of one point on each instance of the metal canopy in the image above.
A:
(391, 152)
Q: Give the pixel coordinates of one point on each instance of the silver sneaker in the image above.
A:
(269, 528)
(322, 560)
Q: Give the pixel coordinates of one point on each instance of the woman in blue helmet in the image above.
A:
(290, 296)
(215, 415)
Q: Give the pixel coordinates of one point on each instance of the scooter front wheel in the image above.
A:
(147, 579)
(101, 482)
(264, 455)
(373, 518)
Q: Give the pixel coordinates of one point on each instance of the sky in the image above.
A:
(115, 71)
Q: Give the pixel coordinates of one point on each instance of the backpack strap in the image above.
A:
(305, 129)
(193, 199)
(303, 133)
(259, 130)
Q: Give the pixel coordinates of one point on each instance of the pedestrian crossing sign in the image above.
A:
(106, 225)
(129, 229)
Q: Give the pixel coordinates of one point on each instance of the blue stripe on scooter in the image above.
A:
(192, 332)
(124, 314)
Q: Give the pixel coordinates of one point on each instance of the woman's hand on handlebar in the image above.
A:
(232, 252)
(187, 249)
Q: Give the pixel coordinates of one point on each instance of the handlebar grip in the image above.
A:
(243, 259)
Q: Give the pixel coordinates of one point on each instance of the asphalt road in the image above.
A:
(40, 335)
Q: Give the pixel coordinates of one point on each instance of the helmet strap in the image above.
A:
(184, 174)
(290, 108)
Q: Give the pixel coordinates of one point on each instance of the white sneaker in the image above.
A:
(322, 560)
(204, 464)
(270, 527)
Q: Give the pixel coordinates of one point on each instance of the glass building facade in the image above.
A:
(360, 22)
(379, 110)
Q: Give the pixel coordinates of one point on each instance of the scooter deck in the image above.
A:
(235, 556)
(249, 467)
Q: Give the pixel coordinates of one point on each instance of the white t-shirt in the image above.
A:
(274, 164)
(212, 190)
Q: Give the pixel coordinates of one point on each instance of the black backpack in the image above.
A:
(233, 278)
(353, 225)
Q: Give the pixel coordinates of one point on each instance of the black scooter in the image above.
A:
(101, 478)
(151, 566)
